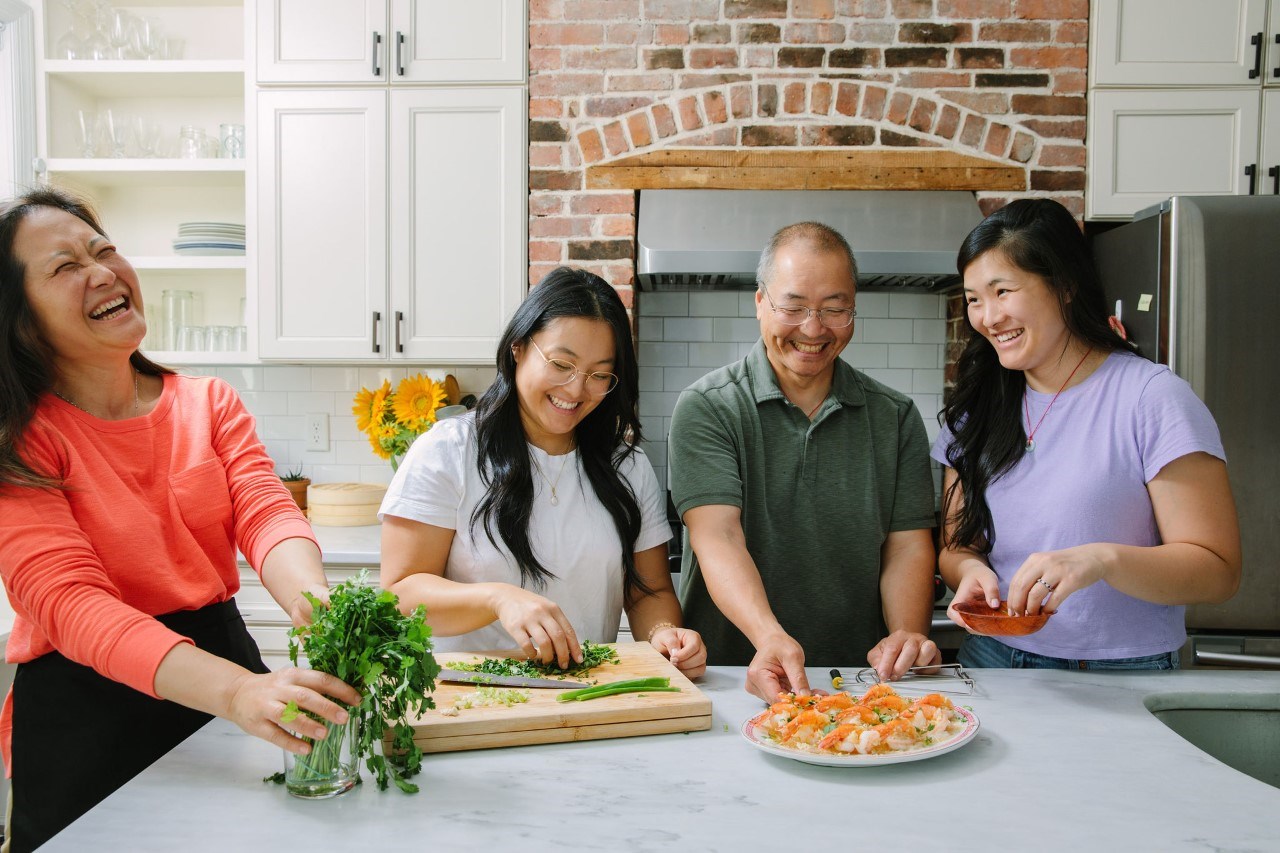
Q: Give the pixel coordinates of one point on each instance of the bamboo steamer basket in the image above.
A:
(344, 504)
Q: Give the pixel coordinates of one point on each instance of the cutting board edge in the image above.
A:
(566, 734)
(689, 706)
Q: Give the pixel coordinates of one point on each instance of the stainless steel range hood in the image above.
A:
(903, 240)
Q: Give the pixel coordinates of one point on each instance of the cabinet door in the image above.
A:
(1270, 165)
(1146, 146)
(322, 202)
(322, 41)
(458, 220)
(1176, 42)
(447, 41)
(1271, 71)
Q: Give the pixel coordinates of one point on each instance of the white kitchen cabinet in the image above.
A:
(1178, 42)
(143, 199)
(1162, 143)
(429, 270)
(409, 41)
(1181, 101)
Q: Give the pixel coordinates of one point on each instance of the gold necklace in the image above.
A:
(564, 461)
(71, 402)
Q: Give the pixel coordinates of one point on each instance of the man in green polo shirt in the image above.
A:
(805, 489)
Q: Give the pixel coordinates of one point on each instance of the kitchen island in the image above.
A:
(1063, 761)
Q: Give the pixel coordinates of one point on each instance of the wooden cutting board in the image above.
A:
(544, 720)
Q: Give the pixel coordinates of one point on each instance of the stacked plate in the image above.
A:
(209, 238)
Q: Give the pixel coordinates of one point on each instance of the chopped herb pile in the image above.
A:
(593, 655)
(361, 637)
(483, 697)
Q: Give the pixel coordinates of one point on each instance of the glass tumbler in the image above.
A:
(232, 136)
(191, 142)
(192, 339)
(220, 338)
(179, 311)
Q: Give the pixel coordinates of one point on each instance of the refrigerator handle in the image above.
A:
(1274, 174)
(1256, 70)
(1206, 658)
(1252, 171)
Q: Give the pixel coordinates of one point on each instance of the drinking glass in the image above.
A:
(191, 339)
(241, 339)
(115, 128)
(178, 312)
(88, 132)
(173, 48)
(190, 142)
(146, 135)
(232, 140)
(220, 338)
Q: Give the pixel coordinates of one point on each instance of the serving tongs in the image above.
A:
(942, 678)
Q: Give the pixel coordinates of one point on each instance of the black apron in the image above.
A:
(78, 736)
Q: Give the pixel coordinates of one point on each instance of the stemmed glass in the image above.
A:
(116, 129)
(87, 126)
(146, 135)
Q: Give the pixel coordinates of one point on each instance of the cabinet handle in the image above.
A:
(377, 41)
(400, 53)
(1252, 171)
(377, 315)
(399, 320)
(1275, 72)
(1256, 71)
(1274, 174)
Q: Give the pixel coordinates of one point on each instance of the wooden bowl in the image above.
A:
(982, 619)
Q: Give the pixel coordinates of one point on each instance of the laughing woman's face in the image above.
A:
(550, 407)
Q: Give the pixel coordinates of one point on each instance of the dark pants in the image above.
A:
(78, 736)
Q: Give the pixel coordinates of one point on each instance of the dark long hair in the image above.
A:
(26, 359)
(984, 412)
(605, 437)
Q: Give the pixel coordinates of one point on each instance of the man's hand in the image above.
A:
(778, 667)
(900, 651)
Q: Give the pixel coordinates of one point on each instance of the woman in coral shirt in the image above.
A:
(124, 491)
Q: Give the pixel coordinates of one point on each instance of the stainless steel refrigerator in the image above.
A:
(1196, 284)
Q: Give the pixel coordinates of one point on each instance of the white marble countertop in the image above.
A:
(1063, 761)
(350, 546)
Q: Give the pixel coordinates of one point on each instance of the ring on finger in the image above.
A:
(1046, 584)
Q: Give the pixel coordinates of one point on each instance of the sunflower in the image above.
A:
(369, 406)
(380, 432)
(416, 400)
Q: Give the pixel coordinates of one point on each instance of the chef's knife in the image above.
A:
(506, 680)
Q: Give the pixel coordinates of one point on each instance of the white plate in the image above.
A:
(827, 759)
(209, 250)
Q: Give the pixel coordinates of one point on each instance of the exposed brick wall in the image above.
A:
(1003, 79)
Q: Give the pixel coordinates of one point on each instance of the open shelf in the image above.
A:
(133, 172)
(151, 79)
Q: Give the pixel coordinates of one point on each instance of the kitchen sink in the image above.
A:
(1240, 730)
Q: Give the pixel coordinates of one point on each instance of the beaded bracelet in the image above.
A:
(656, 628)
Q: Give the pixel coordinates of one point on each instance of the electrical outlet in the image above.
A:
(318, 432)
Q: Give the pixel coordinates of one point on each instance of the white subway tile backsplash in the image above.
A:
(929, 331)
(708, 355)
(282, 427)
(243, 378)
(337, 473)
(653, 304)
(913, 355)
(353, 453)
(664, 354)
(649, 329)
(718, 304)
(659, 404)
(337, 379)
(654, 427)
(922, 306)
(863, 356)
(927, 381)
(882, 331)
(738, 329)
(263, 404)
(680, 378)
(309, 402)
(373, 377)
(652, 378)
(873, 305)
(898, 379)
(686, 329)
(380, 473)
(747, 303)
(287, 378)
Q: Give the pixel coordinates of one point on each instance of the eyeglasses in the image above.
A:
(560, 372)
(798, 315)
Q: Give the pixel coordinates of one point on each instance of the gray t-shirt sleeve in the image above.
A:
(703, 456)
(913, 497)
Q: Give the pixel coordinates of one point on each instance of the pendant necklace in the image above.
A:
(1031, 432)
(809, 414)
(71, 402)
(555, 499)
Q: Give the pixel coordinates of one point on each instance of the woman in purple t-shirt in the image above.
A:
(1080, 479)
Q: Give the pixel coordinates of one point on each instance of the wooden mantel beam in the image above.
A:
(873, 169)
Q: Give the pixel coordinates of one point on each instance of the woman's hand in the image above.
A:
(300, 609)
(1046, 579)
(979, 583)
(684, 648)
(538, 625)
(258, 702)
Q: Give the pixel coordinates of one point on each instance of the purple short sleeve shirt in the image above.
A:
(1086, 481)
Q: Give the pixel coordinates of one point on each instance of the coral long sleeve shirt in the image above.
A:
(148, 523)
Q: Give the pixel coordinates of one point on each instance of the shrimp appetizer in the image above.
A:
(877, 722)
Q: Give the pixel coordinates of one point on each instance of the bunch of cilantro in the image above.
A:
(361, 637)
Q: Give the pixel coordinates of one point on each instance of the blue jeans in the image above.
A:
(979, 652)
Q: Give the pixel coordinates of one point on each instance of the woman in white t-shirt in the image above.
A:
(535, 520)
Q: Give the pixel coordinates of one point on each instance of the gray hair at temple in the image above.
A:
(823, 238)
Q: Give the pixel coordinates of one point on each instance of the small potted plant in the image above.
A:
(296, 482)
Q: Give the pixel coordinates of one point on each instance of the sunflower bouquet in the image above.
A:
(393, 419)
